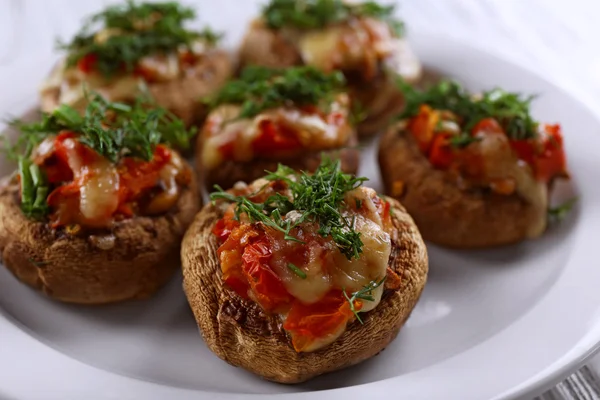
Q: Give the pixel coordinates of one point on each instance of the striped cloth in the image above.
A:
(582, 385)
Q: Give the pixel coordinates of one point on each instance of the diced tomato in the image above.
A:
(383, 208)
(227, 150)
(310, 109)
(551, 162)
(546, 157)
(137, 176)
(308, 323)
(225, 225)
(525, 150)
(487, 125)
(336, 119)
(440, 154)
(187, 58)
(64, 200)
(230, 257)
(87, 63)
(275, 137)
(268, 289)
(422, 127)
(60, 193)
(147, 74)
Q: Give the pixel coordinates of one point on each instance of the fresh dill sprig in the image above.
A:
(260, 88)
(297, 271)
(315, 14)
(509, 109)
(559, 212)
(121, 35)
(366, 293)
(317, 198)
(113, 130)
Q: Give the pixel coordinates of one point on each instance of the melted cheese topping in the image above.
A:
(356, 45)
(99, 194)
(68, 85)
(327, 268)
(312, 130)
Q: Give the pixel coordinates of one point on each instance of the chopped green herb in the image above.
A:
(366, 293)
(358, 113)
(559, 212)
(259, 89)
(462, 141)
(297, 271)
(129, 131)
(318, 198)
(509, 109)
(34, 189)
(315, 14)
(121, 35)
(358, 204)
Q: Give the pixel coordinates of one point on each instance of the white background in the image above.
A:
(559, 39)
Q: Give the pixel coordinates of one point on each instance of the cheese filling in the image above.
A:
(362, 44)
(226, 137)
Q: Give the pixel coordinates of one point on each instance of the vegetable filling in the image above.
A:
(488, 141)
(312, 249)
(271, 113)
(110, 164)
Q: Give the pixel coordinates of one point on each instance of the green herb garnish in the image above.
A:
(259, 89)
(316, 198)
(34, 189)
(113, 130)
(132, 31)
(315, 14)
(559, 212)
(462, 141)
(366, 293)
(509, 109)
(297, 271)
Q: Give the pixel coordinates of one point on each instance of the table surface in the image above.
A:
(555, 38)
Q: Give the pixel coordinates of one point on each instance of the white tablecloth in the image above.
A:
(556, 38)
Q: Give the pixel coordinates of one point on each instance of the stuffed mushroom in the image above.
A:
(363, 40)
(98, 207)
(144, 47)
(473, 171)
(296, 274)
(294, 116)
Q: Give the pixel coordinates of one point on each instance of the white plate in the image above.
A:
(496, 324)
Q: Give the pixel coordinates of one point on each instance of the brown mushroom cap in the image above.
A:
(241, 333)
(132, 261)
(444, 213)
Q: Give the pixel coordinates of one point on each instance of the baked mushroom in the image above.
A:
(473, 171)
(140, 47)
(297, 274)
(361, 39)
(294, 116)
(99, 205)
